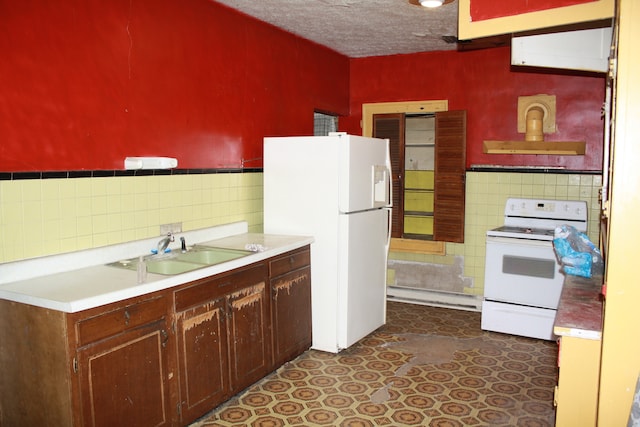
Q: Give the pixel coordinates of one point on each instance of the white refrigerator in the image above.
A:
(336, 188)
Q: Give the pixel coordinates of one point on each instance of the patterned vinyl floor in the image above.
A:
(426, 367)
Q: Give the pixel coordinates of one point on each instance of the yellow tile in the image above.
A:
(100, 239)
(114, 223)
(99, 205)
(51, 231)
(83, 206)
(67, 188)
(11, 213)
(51, 209)
(72, 244)
(574, 179)
(113, 203)
(50, 189)
(33, 238)
(127, 184)
(31, 189)
(100, 224)
(32, 212)
(68, 228)
(83, 186)
(112, 187)
(549, 192)
(538, 179)
(99, 186)
(84, 226)
(586, 180)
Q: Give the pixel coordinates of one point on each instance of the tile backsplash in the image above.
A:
(50, 216)
(486, 195)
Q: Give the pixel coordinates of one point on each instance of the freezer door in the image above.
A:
(364, 173)
(362, 271)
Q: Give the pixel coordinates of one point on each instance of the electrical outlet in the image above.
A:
(175, 227)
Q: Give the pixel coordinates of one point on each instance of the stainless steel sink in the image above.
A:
(210, 256)
(176, 263)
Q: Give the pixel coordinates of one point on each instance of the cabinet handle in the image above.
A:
(222, 285)
(127, 316)
(165, 337)
(75, 365)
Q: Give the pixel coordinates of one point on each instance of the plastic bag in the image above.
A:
(577, 255)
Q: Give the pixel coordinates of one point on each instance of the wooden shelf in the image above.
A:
(566, 148)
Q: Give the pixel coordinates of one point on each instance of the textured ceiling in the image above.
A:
(359, 28)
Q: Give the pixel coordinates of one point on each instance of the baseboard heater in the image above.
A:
(433, 298)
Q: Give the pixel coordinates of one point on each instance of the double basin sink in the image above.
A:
(172, 263)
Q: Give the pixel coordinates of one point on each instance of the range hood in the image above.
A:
(584, 50)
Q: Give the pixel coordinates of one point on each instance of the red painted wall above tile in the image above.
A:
(483, 83)
(488, 9)
(88, 82)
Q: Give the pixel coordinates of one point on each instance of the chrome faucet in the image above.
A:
(164, 243)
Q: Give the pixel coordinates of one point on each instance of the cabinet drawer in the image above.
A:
(289, 262)
(211, 288)
(120, 319)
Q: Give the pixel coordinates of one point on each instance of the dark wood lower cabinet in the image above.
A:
(249, 335)
(224, 337)
(291, 301)
(161, 359)
(123, 380)
(202, 358)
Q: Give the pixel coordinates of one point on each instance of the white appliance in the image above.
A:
(337, 189)
(523, 281)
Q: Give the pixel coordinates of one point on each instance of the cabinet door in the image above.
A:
(249, 335)
(291, 308)
(123, 379)
(202, 358)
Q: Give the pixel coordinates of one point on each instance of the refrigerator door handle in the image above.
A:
(389, 224)
(390, 186)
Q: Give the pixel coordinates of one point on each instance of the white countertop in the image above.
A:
(81, 280)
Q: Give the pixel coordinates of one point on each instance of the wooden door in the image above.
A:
(392, 127)
(291, 299)
(202, 358)
(123, 379)
(248, 332)
(450, 170)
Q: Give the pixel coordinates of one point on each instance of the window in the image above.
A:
(323, 124)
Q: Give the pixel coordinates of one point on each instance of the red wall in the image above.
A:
(488, 9)
(483, 83)
(86, 83)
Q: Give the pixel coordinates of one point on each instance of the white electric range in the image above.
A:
(523, 280)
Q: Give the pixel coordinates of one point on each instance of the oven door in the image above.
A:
(522, 271)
